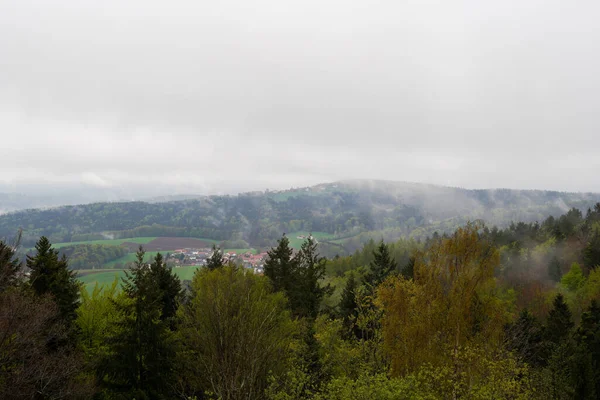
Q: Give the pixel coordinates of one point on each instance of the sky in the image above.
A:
(165, 97)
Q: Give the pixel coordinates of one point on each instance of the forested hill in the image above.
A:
(342, 210)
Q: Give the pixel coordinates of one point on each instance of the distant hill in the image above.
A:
(346, 209)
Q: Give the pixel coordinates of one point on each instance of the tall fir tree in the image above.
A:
(141, 357)
(555, 269)
(559, 325)
(51, 275)
(311, 272)
(215, 260)
(10, 267)
(525, 338)
(591, 253)
(587, 357)
(382, 265)
(348, 306)
(408, 271)
(281, 266)
(169, 287)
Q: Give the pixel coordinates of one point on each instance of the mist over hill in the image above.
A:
(344, 210)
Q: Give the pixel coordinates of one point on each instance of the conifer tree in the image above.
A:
(555, 269)
(409, 269)
(382, 265)
(348, 305)
(9, 266)
(591, 253)
(141, 357)
(281, 266)
(169, 287)
(560, 323)
(311, 271)
(51, 275)
(587, 356)
(525, 338)
(215, 260)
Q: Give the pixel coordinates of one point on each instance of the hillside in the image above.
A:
(341, 209)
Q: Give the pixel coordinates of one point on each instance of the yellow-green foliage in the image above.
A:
(96, 316)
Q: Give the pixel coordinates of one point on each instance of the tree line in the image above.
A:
(459, 315)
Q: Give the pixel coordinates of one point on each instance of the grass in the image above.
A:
(130, 257)
(89, 278)
(108, 242)
(297, 243)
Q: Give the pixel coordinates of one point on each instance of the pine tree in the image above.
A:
(169, 286)
(409, 269)
(141, 357)
(560, 323)
(555, 269)
(525, 338)
(382, 265)
(281, 267)
(9, 266)
(347, 307)
(311, 271)
(215, 260)
(51, 275)
(587, 357)
(591, 253)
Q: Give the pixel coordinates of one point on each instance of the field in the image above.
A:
(296, 243)
(108, 242)
(89, 278)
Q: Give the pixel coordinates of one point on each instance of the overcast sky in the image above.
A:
(209, 96)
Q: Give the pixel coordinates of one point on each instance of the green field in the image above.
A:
(297, 243)
(108, 242)
(130, 257)
(89, 278)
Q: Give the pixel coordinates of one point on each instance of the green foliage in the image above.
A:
(591, 253)
(574, 279)
(559, 324)
(51, 275)
(348, 305)
(10, 267)
(215, 261)
(235, 332)
(140, 361)
(96, 317)
(381, 266)
(282, 268)
(311, 272)
(91, 256)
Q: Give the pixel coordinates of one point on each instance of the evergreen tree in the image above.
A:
(591, 253)
(587, 356)
(141, 357)
(381, 266)
(281, 266)
(525, 338)
(555, 269)
(311, 271)
(409, 269)
(51, 275)
(215, 260)
(348, 307)
(169, 286)
(9, 266)
(560, 323)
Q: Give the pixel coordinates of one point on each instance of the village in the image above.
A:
(198, 257)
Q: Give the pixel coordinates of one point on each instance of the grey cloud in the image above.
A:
(205, 95)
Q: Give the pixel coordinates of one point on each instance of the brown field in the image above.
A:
(169, 243)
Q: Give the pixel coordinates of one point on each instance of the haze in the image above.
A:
(160, 97)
